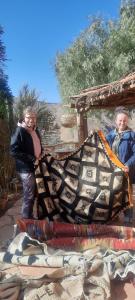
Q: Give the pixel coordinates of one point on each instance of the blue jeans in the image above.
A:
(128, 215)
(29, 188)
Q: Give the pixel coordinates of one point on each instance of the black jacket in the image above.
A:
(22, 149)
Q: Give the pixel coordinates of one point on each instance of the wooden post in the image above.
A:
(81, 123)
(82, 127)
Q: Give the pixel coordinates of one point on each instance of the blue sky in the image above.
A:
(36, 29)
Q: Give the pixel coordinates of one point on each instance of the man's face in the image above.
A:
(30, 120)
(121, 122)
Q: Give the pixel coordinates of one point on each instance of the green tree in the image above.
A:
(27, 97)
(6, 99)
(6, 122)
(102, 53)
(121, 43)
(30, 97)
(85, 63)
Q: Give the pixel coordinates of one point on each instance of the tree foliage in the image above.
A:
(2, 49)
(30, 97)
(121, 42)
(6, 99)
(45, 118)
(27, 97)
(102, 53)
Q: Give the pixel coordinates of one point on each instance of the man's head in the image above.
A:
(121, 119)
(30, 117)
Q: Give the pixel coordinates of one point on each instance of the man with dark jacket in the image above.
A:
(25, 147)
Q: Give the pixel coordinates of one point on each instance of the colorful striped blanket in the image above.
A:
(79, 237)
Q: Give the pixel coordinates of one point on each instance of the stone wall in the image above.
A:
(98, 120)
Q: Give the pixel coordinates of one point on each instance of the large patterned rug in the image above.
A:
(87, 186)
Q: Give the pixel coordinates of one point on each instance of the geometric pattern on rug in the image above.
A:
(84, 187)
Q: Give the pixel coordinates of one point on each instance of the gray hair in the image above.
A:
(121, 110)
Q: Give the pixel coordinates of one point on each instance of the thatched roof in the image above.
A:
(117, 93)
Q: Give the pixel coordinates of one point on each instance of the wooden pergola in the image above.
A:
(117, 93)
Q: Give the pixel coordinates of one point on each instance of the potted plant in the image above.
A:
(69, 120)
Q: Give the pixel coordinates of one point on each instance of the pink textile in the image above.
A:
(36, 143)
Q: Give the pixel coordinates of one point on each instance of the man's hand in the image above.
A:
(36, 162)
(40, 156)
(126, 169)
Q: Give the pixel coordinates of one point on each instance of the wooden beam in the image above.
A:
(82, 127)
